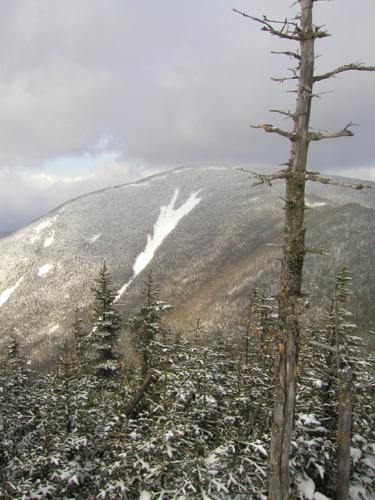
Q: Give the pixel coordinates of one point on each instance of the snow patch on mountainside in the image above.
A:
(315, 204)
(4, 296)
(216, 168)
(53, 328)
(181, 170)
(43, 270)
(123, 288)
(93, 238)
(168, 219)
(40, 227)
(48, 241)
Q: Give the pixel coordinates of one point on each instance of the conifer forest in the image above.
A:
(172, 414)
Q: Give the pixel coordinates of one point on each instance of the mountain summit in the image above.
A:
(207, 233)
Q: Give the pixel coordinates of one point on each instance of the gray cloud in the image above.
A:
(170, 82)
(26, 194)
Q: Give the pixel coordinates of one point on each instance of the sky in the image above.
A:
(94, 93)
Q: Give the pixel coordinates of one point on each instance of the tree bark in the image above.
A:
(292, 267)
(344, 434)
(133, 403)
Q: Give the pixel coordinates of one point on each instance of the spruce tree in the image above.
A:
(330, 354)
(81, 344)
(147, 325)
(16, 401)
(106, 326)
(15, 360)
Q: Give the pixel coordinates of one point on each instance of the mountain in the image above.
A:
(207, 233)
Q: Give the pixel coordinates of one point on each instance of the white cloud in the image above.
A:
(26, 194)
(161, 86)
(360, 172)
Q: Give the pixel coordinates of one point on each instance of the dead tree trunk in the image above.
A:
(301, 30)
(344, 430)
(133, 403)
(292, 266)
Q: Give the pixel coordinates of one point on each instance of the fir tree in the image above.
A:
(106, 326)
(15, 361)
(147, 325)
(81, 344)
(328, 351)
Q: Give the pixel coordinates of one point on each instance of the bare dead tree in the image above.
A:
(302, 31)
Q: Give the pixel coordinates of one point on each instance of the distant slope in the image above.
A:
(205, 231)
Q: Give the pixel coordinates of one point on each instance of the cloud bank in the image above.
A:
(163, 84)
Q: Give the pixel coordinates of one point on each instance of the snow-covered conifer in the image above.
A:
(147, 325)
(106, 326)
(327, 349)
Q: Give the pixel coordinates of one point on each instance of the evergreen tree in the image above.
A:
(80, 343)
(328, 350)
(147, 326)
(16, 401)
(106, 326)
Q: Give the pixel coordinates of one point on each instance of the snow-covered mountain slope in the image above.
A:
(206, 233)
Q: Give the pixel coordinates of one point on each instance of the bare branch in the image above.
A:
(318, 251)
(319, 33)
(265, 178)
(318, 136)
(284, 79)
(295, 33)
(309, 176)
(316, 177)
(276, 245)
(267, 26)
(342, 69)
(287, 53)
(267, 127)
(288, 114)
(285, 22)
